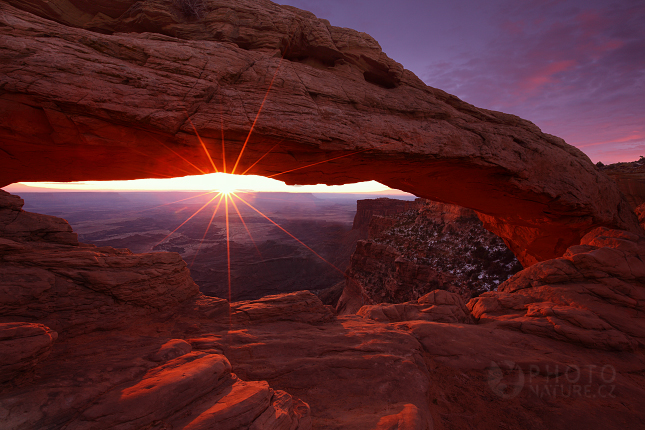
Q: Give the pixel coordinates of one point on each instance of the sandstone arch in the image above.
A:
(102, 90)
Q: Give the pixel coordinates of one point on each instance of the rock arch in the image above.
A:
(117, 90)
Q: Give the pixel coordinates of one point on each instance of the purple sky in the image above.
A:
(576, 68)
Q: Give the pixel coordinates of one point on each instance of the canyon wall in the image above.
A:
(418, 247)
(630, 177)
(366, 209)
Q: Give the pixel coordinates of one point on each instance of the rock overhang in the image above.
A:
(135, 93)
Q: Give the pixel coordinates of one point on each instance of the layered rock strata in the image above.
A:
(594, 295)
(84, 84)
(111, 367)
(437, 305)
(46, 275)
(24, 345)
(287, 362)
(367, 209)
(630, 177)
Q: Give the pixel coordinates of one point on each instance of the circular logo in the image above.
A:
(505, 383)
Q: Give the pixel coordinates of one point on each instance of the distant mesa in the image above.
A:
(630, 177)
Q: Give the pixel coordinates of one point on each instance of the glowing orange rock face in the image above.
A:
(108, 95)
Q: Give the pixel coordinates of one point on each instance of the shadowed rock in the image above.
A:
(432, 246)
(437, 305)
(286, 362)
(594, 295)
(22, 347)
(117, 90)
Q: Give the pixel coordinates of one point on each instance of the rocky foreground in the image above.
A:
(98, 338)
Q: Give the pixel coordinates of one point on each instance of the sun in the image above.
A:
(220, 182)
(227, 188)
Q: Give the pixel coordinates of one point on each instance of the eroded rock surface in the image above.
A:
(437, 305)
(594, 295)
(22, 347)
(287, 362)
(118, 90)
(630, 177)
(112, 367)
(640, 213)
(46, 275)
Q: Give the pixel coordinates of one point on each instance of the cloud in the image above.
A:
(577, 72)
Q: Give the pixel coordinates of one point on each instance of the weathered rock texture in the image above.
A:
(287, 362)
(46, 275)
(430, 246)
(367, 209)
(630, 177)
(114, 368)
(640, 213)
(594, 295)
(438, 305)
(24, 345)
(118, 89)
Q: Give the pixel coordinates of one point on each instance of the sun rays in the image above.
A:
(226, 193)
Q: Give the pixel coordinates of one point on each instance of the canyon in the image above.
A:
(264, 259)
(415, 247)
(96, 337)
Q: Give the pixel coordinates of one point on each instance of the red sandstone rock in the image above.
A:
(106, 94)
(84, 289)
(640, 213)
(594, 295)
(301, 306)
(172, 349)
(437, 305)
(160, 393)
(367, 209)
(431, 246)
(110, 101)
(630, 178)
(46, 275)
(340, 366)
(22, 347)
(16, 224)
(354, 373)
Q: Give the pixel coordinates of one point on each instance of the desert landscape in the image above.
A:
(264, 260)
(509, 295)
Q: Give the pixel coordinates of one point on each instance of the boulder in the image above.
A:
(437, 305)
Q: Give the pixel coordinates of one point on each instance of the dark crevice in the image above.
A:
(382, 80)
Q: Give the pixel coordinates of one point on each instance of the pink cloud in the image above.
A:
(576, 70)
(530, 84)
